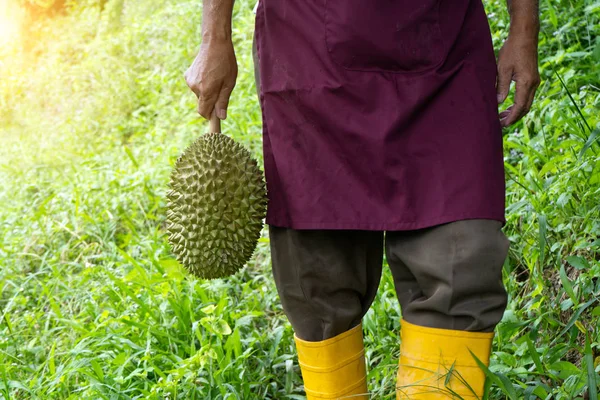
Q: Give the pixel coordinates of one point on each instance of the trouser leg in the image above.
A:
(449, 283)
(450, 276)
(326, 281)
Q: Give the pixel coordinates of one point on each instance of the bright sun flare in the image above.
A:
(9, 22)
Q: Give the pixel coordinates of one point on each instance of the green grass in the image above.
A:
(93, 114)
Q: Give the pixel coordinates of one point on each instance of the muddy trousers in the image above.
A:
(448, 280)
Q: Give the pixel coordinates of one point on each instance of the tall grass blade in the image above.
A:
(543, 222)
(591, 140)
(582, 117)
(592, 376)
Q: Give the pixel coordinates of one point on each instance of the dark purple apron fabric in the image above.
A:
(378, 114)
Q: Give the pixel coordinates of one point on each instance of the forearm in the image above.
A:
(216, 20)
(524, 18)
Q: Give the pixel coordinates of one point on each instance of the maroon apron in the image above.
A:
(378, 114)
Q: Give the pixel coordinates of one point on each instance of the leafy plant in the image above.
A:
(92, 303)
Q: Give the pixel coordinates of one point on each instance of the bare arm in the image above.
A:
(524, 15)
(213, 73)
(518, 59)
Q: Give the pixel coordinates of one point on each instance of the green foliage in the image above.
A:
(94, 306)
(45, 7)
(553, 171)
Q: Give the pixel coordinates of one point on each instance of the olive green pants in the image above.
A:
(448, 276)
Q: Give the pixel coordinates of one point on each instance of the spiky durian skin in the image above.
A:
(216, 206)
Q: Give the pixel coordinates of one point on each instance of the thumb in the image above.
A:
(503, 83)
(223, 102)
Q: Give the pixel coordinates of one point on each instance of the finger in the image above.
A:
(206, 106)
(206, 103)
(532, 95)
(223, 102)
(505, 113)
(522, 94)
(503, 83)
(191, 83)
(515, 114)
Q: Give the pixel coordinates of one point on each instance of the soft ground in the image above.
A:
(93, 113)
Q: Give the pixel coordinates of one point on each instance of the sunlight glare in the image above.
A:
(10, 19)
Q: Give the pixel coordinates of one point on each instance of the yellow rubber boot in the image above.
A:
(437, 364)
(334, 368)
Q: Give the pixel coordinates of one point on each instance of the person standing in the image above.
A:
(381, 134)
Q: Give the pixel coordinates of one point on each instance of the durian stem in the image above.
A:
(214, 124)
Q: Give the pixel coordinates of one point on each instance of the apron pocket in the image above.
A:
(384, 35)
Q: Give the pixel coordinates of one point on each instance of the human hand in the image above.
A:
(517, 61)
(212, 77)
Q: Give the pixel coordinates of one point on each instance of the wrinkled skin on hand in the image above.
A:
(212, 77)
(518, 62)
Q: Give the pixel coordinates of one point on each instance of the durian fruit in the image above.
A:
(216, 206)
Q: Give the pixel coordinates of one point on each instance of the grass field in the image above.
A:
(93, 113)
